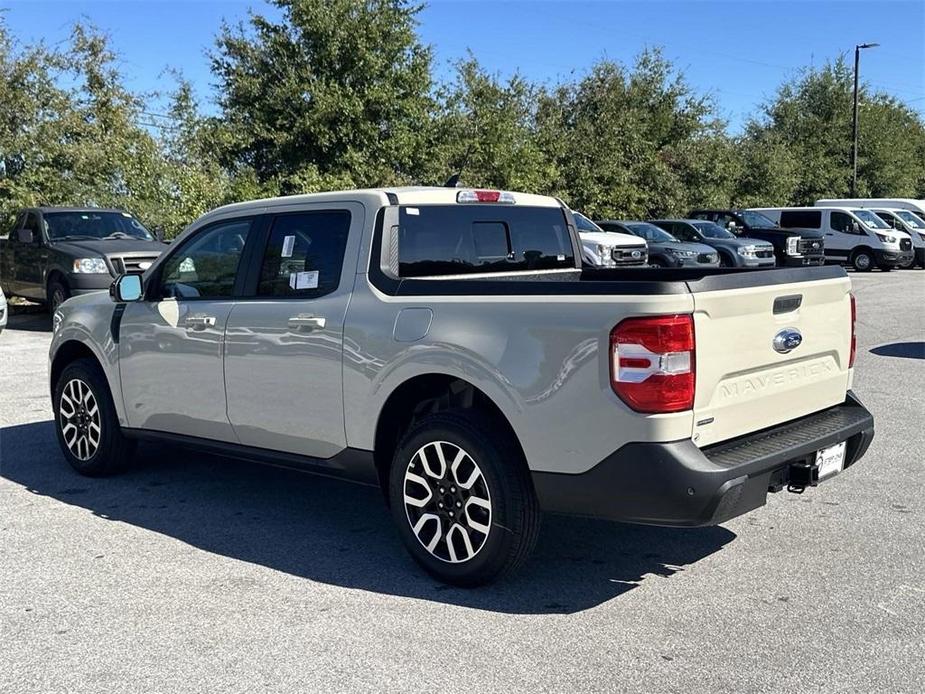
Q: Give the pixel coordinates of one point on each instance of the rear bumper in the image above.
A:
(678, 484)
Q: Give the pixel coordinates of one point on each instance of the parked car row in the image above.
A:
(54, 253)
(863, 234)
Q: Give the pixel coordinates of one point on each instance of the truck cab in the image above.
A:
(792, 247)
(53, 253)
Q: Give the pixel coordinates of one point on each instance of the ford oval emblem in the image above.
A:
(636, 254)
(787, 340)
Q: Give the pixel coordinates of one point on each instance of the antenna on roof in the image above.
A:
(452, 181)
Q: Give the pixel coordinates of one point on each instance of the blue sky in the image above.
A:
(737, 51)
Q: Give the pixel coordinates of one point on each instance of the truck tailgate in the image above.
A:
(743, 384)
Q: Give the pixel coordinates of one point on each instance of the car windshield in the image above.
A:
(95, 225)
(870, 219)
(650, 232)
(585, 224)
(711, 230)
(756, 220)
(910, 219)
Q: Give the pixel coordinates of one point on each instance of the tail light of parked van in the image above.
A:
(854, 337)
(652, 363)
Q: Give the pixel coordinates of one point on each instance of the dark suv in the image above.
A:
(53, 253)
(792, 247)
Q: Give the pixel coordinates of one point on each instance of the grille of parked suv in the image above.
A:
(810, 247)
(905, 244)
(765, 252)
(133, 263)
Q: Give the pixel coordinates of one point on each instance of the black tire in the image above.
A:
(862, 260)
(514, 520)
(58, 293)
(658, 262)
(725, 260)
(112, 451)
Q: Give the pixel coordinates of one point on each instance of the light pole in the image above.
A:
(854, 124)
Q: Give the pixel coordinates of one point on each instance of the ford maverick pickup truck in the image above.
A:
(448, 346)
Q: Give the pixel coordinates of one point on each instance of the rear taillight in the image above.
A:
(652, 363)
(854, 336)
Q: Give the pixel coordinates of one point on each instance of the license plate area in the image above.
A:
(831, 460)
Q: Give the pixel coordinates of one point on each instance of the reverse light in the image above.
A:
(854, 337)
(498, 196)
(91, 266)
(652, 363)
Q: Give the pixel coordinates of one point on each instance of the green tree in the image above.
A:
(632, 143)
(336, 94)
(486, 131)
(811, 118)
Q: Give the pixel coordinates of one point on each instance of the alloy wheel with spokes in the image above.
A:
(87, 426)
(447, 501)
(79, 419)
(461, 495)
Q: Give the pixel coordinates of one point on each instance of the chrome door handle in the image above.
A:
(306, 321)
(199, 322)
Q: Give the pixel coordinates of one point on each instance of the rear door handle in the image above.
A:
(306, 321)
(200, 322)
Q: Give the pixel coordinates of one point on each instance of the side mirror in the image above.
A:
(855, 228)
(126, 288)
(24, 235)
(159, 234)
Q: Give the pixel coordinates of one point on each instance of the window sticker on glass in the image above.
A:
(303, 280)
(288, 244)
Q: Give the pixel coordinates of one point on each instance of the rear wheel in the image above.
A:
(862, 260)
(58, 293)
(462, 498)
(86, 423)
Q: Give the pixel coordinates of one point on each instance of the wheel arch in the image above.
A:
(424, 394)
(68, 352)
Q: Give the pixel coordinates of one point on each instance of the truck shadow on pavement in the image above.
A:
(907, 350)
(29, 318)
(339, 533)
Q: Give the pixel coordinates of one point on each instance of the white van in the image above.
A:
(852, 235)
(909, 222)
(917, 206)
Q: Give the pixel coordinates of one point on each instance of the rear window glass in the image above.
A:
(808, 219)
(464, 239)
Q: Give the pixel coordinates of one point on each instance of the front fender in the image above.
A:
(87, 320)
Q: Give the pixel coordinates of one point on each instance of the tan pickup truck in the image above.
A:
(448, 346)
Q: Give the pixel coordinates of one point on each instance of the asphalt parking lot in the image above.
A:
(195, 573)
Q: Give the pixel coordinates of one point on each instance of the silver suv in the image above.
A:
(447, 346)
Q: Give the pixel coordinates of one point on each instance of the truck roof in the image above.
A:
(406, 195)
(48, 208)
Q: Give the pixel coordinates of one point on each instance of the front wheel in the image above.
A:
(862, 260)
(463, 499)
(86, 423)
(58, 293)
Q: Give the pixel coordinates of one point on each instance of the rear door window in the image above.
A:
(304, 254)
(438, 240)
